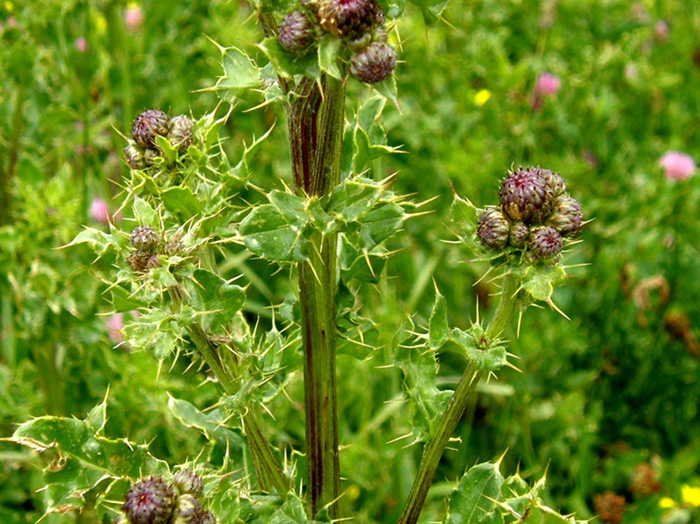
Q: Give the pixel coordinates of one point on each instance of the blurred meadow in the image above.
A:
(606, 92)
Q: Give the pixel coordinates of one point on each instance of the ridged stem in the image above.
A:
(448, 422)
(316, 121)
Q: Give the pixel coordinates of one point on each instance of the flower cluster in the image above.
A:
(148, 244)
(144, 149)
(535, 214)
(155, 501)
(360, 24)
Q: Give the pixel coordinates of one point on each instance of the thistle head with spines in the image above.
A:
(359, 24)
(535, 215)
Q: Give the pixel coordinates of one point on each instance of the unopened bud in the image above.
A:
(147, 125)
(180, 134)
(295, 32)
(566, 216)
(524, 195)
(545, 242)
(374, 64)
(493, 228)
(150, 501)
(518, 234)
(144, 238)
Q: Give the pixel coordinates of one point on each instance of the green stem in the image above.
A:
(448, 422)
(315, 123)
(7, 174)
(270, 474)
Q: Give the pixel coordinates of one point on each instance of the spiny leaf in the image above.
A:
(472, 500)
(438, 329)
(219, 299)
(269, 234)
(328, 53)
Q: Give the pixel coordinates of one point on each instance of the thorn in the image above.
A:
(555, 308)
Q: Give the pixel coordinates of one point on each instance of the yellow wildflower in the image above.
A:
(482, 97)
(667, 503)
(691, 495)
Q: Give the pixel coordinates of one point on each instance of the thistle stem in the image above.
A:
(448, 422)
(270, 474)
(315, 123)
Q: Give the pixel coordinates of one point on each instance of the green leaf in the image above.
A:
(328, 53)
(382, 222)
(144, 213)
(85, 458)
(210, 423)
(487, 355)
(353, 198)
(432, 9)
(288, 64)
(438, 329)
(269, 234)
(539, 281)
(99, 241)
(291, 512)
(181, 202)
(123, 301)
(471, 501)
(219, 299)
(240, 75)
(420, 376)
(387, 88)
(155, 331)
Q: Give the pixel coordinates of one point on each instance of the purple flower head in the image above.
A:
(115, 323)
(678, 166)
(133, 17)
(99, 211)
(81, 44)
(547, 84)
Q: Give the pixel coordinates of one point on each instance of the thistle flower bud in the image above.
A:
(554, 182)
(545, 242)
(493, 228)
(187, 481)
(524, 195)
(208, 518)
(173, 247)
(350, 19)
(374, 64)
(566, 216)
(144, 238)
(134, 156)
(295, 32)
(147, 125)
(518, 234)
(138, 261)
(150, 155)
(180, 134)
(152, 262)
(188, 510)
(150, 501)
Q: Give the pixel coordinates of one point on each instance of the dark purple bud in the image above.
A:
(150, 501)
(147, 125)
(144, 238)
(188, 510)
(374, 64)
(493, 228)
(524, 196)
(350, 19)
(296, 32)
(180, 134)
(545, 242)
(134, 156)
(138, 261)
(187, 481)
(566, 216)
(518, 234)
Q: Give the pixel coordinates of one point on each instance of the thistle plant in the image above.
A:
(329, 232)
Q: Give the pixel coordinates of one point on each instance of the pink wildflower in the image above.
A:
(12, 21)
(661, 31)
(99, 211)
(81, 44)
(547, 84)
(115, 323)
(133, 17)
(678, 166)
